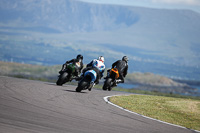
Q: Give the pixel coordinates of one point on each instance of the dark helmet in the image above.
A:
(79, 57)
(125, 58)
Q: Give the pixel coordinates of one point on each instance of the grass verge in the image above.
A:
(179, 111)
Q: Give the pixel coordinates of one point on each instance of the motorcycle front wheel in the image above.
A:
(63, 78)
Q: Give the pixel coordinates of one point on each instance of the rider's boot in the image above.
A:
(60, 71)
(79, 78)
(92, 84)
(117, 81)
(70, 80)
(63, 68)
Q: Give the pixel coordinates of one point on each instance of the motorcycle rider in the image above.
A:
(78, 62)
(122, 66)
(98, 66)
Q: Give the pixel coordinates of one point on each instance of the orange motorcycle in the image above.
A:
(110, 82)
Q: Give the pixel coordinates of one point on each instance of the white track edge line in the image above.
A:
(107, 101)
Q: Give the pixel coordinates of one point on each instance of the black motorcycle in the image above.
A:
(67, 75)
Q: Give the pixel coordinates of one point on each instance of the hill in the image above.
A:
(28, 71)
(152, 80)
(157, 83)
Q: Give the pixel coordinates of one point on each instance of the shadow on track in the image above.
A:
(74, 91)
(64, 86)
(54, 84)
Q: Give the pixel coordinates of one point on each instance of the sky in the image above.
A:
(163, 4)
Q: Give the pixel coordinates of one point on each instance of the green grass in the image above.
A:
(155, 93)
(179, 111)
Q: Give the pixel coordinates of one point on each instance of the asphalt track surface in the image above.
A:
(28, 106)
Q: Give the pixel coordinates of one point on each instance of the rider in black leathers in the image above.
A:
(78, 62)
(122, 66)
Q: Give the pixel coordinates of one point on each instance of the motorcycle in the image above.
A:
(87, 82)
(110, 82)
(67, 75)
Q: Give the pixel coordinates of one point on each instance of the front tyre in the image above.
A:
(63, 78)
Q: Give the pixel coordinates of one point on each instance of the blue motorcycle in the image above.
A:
(87, 82)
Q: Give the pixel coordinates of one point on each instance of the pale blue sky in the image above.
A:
(166, 4)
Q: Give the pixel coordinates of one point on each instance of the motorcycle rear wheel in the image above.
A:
(82, 86)
(107, 84)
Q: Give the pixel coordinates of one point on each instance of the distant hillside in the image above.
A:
(51, 16)
(49, 32)
(157, 83)
(152, 79)
(28, 71)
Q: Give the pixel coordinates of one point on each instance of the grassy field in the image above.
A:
(180, 111)
(28, 71)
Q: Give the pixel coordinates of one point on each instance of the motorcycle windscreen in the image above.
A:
(92, 74)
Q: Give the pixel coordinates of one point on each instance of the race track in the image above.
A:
(28, 106)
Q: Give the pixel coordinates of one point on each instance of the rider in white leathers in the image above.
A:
(98, 66)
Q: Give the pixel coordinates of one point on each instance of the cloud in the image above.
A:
(168, 4)
(185, 2)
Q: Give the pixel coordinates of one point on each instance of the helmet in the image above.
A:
(79, 57)
(125, 58)
(101, 58)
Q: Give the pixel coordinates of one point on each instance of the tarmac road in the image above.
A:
(28, 106)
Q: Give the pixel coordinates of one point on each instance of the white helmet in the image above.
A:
(101, 58)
